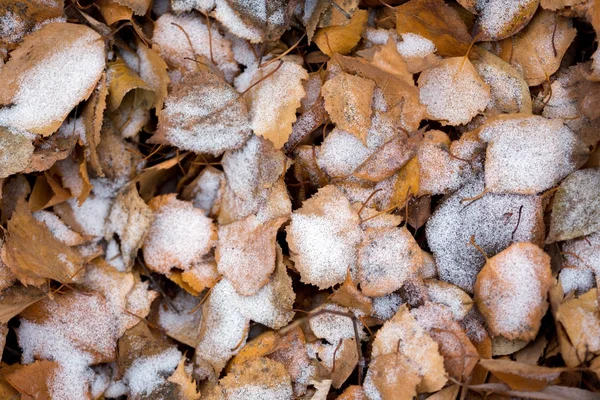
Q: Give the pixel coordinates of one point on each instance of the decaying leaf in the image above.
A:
(204, 114)
(453, 92)
(539, 48)
(33, 83)
(322, 237)
(511, 291)
(341, 39)
(437, 22)
(16, 150)
(273, 93)
(576, 207)
(348, 102)
(498, 19)
(49, 258)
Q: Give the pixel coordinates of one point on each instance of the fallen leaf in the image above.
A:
(498, 20)
(20, 18)
(437, 22)
(539, 48)
(202, 106)
(348, 102)
(391, 377)
(407, 183)
(273, 92)
(581, 321)
(519, 376)
(16, 298)
(139, 7)
(113, 12)
(16, 151)
(182, 378)
(34, 380)
(123, 81)
(48, 259)
(341, 39)
(350, 297)
(38, 63)
(153, 71)
(259, 378)
(453, 91)
(575, 209)
(512, 297)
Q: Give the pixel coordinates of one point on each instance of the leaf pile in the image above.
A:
(299, 199)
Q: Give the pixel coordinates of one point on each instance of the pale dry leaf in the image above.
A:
(498, 19)
(181, 55)
(386, 260)
(179, 236)
(246, 253)
(519, 376)
(181, 377)
(391, 377)
(180, 318)
(508, 88)
(527, 154)
(203, 114)
(129, 220)
(458, 301)
(539, 48)
(581, 321)
(576, 206)
(387, 159)
(323, 236)
(348, 102)
(48, 259)
(41, 96)
(259, 378)
(59, 229)
(16, 151)
(153, 71)
(403, 336)
(206, 190)
(333, 327)
(453, 91)
(273, 92)
(389, 59)
(89, 218)
(341, 153)
(511, 291)
(322, 389)
(342, 38)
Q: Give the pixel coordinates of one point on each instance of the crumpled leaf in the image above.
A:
(33, 76)
(153, 70)
(437, 22)
(92, 116)
(519, 376)
(273, 92)
(498, 19)
(539, 48)
(576, 206)
(348, 102)
(204, 114)
(322, 237)
(123, 81)
(49, 258)
(16, 150)
(341, 39)
(453, 91)
(580, 319)
(511, 291)
(129, 220)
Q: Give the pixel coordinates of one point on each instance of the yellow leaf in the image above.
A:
(341, 39)
(261, 346)
(123, 81)
(113, 12)
(407, 183)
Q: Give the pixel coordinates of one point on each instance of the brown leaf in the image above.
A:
(123, 81)
(92, 116)
(511, 291)
(246, 254)
(47, 259)
(387, 159)
(204, 114)
(273, 92)
(16, 151)
(261, 346)
(55, 148)
(392, 377)
(17, 298)
(341, 39)
(350, 297)
(139, 7)
(539, 48)
(153, 70)
(33, 75)
(437, 22)
(348, 102)
(498, 19)
(47, 192)
(519, 376)
(580, 319)
(187, 386)
(113, 12)
(262, 377)
(34, 380)
(26, 15)
(389, 60)
(407, 183)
